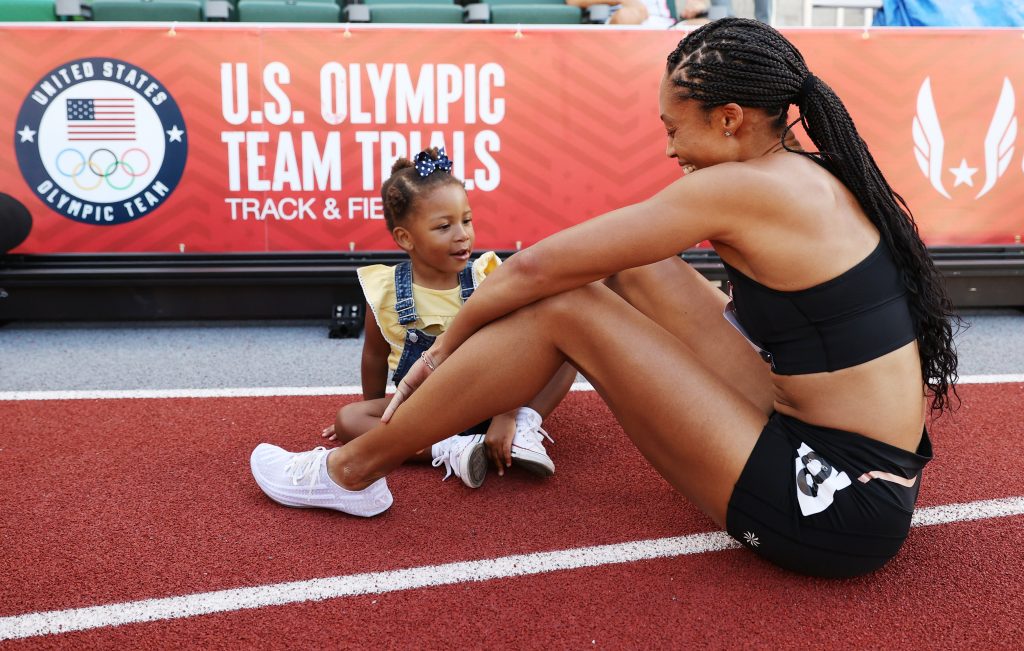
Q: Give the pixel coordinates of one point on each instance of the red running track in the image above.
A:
(107, 501)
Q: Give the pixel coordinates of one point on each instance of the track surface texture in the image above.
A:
(120, 500)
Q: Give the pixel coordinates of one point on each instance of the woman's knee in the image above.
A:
(655, 287)
(560, 309)
(650, 279)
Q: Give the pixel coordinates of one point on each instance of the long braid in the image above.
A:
(751, 64)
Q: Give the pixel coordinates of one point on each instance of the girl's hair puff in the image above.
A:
(400, 192)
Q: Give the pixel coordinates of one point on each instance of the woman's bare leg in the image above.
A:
(696, 317)
(688, 418)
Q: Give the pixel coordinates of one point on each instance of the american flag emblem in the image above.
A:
(101, 119)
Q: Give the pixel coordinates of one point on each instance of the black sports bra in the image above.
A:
(857, 316)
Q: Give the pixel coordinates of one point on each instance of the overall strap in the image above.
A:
(466, 281)
(404, 304)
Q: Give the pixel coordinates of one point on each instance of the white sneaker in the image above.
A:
(464, 456)
(528, 445)
(300, 479)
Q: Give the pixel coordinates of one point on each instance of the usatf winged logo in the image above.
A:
(929, 144)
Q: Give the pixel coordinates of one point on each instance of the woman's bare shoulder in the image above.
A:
(759, 194)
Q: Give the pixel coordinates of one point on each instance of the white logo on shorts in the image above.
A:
(816, 481)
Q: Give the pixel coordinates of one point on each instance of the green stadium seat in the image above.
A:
(416, 13)
(375, 3)
(143, 10)
(288, 11)
(27, 11)
(535, 14)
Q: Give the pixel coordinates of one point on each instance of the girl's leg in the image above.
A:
(517, 437)
(687, 412)
(357, 418)
(545, 402)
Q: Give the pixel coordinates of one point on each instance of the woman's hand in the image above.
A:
(417, 374)
(499, 440)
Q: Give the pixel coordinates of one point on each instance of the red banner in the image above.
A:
(237, 138)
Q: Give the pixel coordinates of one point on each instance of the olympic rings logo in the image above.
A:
(103, 164)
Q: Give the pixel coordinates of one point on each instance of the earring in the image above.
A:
(728, 133)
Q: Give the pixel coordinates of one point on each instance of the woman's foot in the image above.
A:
(300, 480)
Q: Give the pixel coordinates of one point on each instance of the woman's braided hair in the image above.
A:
(751, 64)
(400, 191)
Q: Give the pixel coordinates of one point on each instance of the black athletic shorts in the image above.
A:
(824, 501)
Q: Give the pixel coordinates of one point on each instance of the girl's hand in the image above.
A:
(417, 374)
(499, 440)
(328, 432)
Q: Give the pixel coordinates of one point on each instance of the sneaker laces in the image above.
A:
(530, 432)
(445, 458)
(450, 455)
(534, 435)
(304, 467)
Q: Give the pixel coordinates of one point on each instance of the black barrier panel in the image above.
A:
(324, 287)
(15, 223)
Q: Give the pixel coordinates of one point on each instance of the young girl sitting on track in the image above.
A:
(427, 211)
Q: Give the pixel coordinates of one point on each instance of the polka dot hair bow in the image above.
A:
(426, 165)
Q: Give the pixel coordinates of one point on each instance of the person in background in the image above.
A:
(723, 8)
(623, 12)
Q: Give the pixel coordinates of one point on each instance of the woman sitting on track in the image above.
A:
(807, 445)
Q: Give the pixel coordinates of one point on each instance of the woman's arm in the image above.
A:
(374, 370)
(718, 203)
(708, 204)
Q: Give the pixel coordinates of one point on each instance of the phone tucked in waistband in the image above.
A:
(730, 315)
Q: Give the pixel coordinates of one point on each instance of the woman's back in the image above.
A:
(814, 243)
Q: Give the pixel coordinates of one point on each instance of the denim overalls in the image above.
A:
(417, 341)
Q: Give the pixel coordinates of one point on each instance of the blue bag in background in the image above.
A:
(930, 13)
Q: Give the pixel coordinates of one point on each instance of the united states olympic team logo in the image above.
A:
(100, 141)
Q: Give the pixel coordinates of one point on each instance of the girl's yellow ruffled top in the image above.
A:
(435, 307)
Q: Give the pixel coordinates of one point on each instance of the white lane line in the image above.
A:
(127, 394)
(264, 392)
(78, 619)
(237, 392)
(991, 379)
(967, 511)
